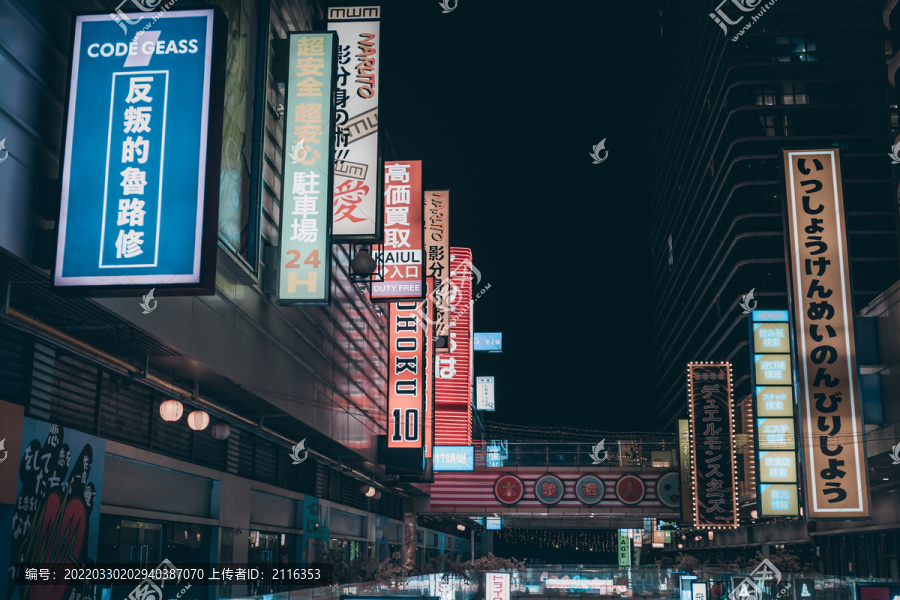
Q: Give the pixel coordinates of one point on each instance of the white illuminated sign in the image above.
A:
(484, 393)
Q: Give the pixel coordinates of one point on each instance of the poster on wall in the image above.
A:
(56, 519)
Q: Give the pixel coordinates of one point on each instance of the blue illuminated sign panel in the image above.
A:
(493, 457)
(774, 409)
(492, 523)
(454, 458)
(142, 153)
(488, 342)
(760, 316)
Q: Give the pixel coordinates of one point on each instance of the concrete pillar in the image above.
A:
(487, 542)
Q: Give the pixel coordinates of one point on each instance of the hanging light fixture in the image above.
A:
(461, 527)
(362, 264)
(754, 514)
(171, 410)
(198, 420)
(220, 431)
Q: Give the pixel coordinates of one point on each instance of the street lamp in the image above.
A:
(362, 264)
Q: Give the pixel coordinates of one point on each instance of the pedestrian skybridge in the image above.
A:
(615, 485)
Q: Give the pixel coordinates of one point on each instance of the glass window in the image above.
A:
(234, 180)
(767, 122)
(765, 97)
(794, 93)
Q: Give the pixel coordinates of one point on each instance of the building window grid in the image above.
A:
(794, 48)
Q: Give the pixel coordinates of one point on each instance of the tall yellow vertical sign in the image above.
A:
(831, 427)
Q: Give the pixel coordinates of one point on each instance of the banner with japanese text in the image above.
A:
(406, 376)
(358, 204)
(141, 156)
(712, 451)
(401, 270)
(437, 247)
(454, 375)
(428, 415)
(304, 275)
(831, 427)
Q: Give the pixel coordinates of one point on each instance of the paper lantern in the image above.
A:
(221, 431)
(171, 410)
(198, 420)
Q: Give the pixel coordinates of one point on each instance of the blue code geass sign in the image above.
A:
(142, 155)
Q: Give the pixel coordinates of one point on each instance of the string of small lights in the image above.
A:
(562, 539)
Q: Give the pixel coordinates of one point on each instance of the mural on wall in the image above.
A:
(57, 512)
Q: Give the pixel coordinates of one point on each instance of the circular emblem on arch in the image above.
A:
(668, 489)
(509, 489)
(589, 489)
(549, 489)
(630, 489)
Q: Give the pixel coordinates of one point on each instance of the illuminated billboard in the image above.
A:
(489, 342)
(358, 201)
(454, 458)
(777, 467)
(773, 405)
(453, 376)
(406, 386)
(775, 434)
(484, 393)
(837, 484)
(497, 586)
(141, 156)
(772, 369)
(684, 464)
(714, 485)
(492, 523)
(400, 265)
(304, 276)
(437, 246)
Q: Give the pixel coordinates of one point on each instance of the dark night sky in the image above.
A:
(503, 101)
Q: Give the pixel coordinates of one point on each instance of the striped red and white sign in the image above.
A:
(459, 492)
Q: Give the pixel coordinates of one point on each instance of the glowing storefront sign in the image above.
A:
(484, 393)
(714, 485)
(454, 458)
(140, 177)
(777, 467)
(837, 485)
(406, 385)
(358, 199)
(399, 259)
(772, 369)
(492, 523)
(774, 401)
(778, 499)
(488, 342)
(776, 434)
(497, 586)
(304, 276)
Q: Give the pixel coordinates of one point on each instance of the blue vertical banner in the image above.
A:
(304, 276)
(142, 152)
(56, 517)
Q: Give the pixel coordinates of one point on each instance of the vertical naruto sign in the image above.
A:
(358, 205)
(437, 262)
(829, 397)
(712, 453)
(399, 259)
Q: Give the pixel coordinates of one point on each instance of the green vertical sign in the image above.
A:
(624, 549)
(304, 275)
